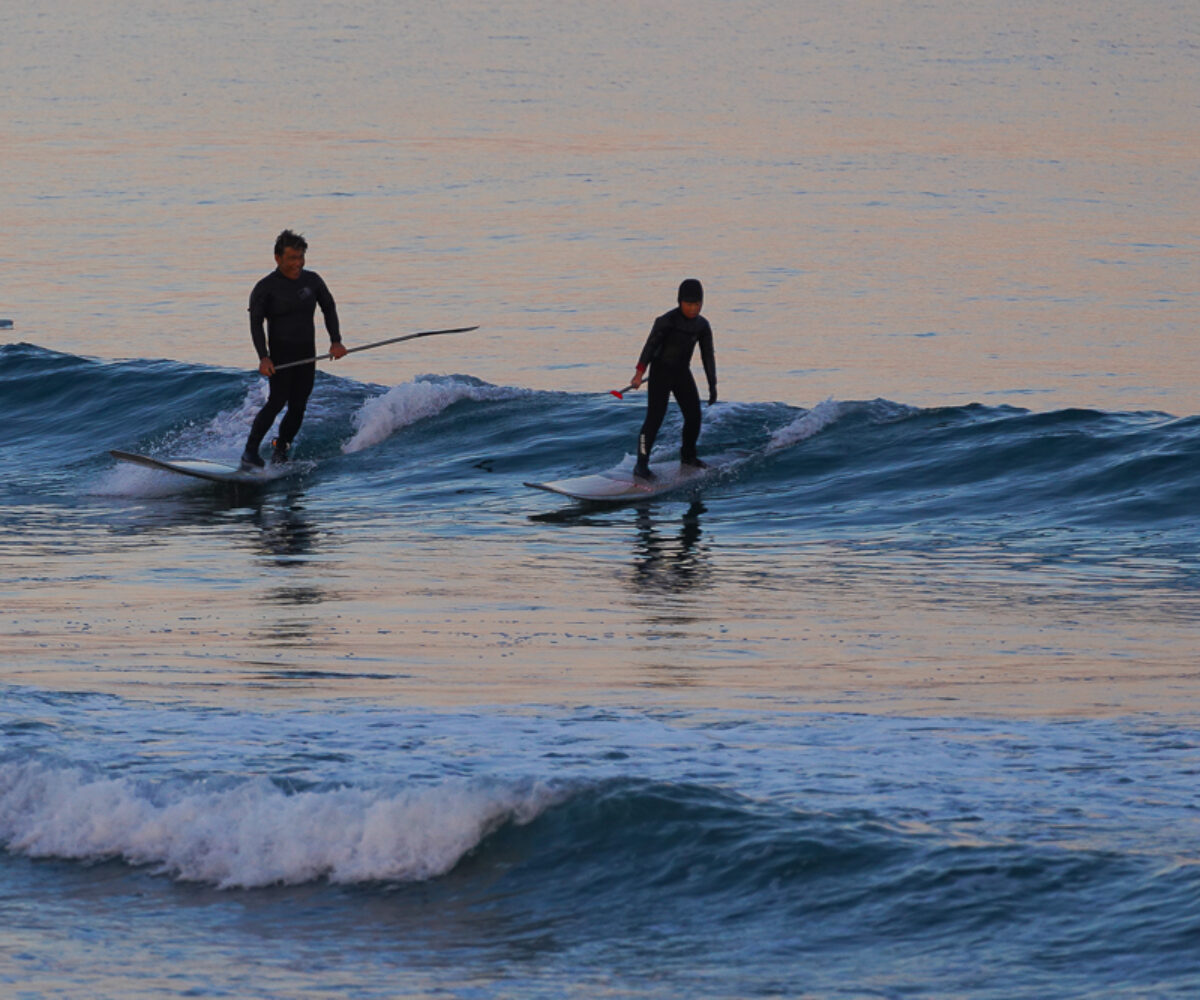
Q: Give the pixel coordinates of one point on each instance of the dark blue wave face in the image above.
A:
(731, 881)
(60, 408)
(880, 464)
(873, 466)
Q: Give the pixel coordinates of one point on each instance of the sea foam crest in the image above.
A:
(805, 425)
(405, 404)
(254, 834)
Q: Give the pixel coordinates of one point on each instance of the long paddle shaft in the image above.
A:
(378, 343)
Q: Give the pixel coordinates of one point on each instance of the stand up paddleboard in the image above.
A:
(199, 468)
(620, 485)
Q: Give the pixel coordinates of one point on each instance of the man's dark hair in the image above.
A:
(289, 239)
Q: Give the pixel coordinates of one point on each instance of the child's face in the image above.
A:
(690, 310)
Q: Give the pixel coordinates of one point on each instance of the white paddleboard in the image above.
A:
(621, 486)
(199, 468)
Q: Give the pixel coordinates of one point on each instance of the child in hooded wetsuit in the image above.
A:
(668, 353)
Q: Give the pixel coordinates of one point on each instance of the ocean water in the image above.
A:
(900, 704)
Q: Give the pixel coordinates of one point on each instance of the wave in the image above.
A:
(882, 463)
(606, 852)
(254, 833)
(403, 405)
(854, 463)
(805, 426)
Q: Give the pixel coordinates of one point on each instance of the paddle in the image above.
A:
(620, 393)
(378, 343)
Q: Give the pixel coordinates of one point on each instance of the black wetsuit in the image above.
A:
(287, 307)
(668, 352)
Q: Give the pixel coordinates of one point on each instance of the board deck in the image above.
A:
(198, 468)
(620, 486)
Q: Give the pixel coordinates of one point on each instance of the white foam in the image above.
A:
(405, 404)
(221, 438)
(253, 834)
(125, 480)
(805, 426)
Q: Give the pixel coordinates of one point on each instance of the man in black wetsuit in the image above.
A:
(286, 300)
(668, 350)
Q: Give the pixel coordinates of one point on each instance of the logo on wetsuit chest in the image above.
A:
(305, 292)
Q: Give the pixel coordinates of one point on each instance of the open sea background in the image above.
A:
(904, 704)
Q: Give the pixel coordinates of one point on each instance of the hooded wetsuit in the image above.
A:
(287, 307)
(668, 351)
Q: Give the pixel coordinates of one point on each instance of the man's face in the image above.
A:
(690, 310)
(290, 262)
